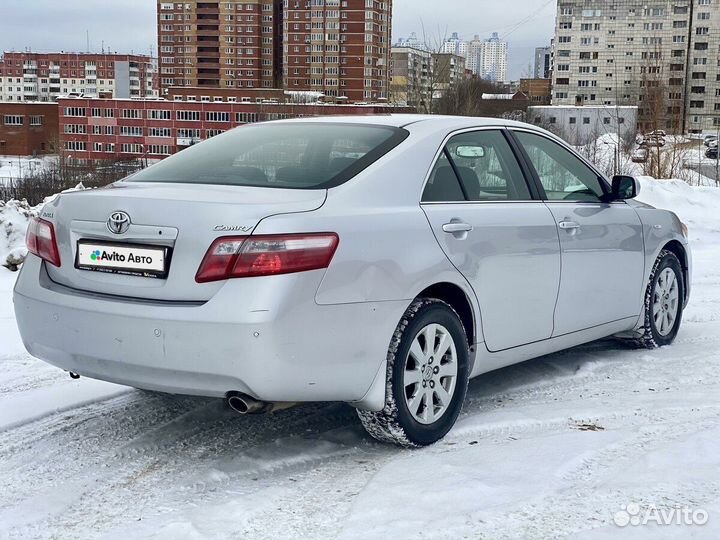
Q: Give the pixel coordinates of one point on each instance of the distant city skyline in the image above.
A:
(130, 26)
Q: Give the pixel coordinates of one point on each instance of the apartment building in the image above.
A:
(447, 70)
(454, 45)
(486, 58)
(493, 61)
(473, 57)
(411, 77)
(231, 44)
(340, 48)
(543, 58)
(28, 76)
(660, 55)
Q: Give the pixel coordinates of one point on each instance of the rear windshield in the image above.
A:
(292, 155)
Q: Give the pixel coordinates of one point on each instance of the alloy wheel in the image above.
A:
(430, 374)
(665, 302)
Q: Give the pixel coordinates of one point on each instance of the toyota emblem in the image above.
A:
(118, 223)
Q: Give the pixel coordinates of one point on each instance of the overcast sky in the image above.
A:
(129, 25)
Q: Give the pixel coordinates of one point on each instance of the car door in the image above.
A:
(602, 242)
(497, 234)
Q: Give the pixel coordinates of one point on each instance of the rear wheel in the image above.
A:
(663, 302)
(427, 376)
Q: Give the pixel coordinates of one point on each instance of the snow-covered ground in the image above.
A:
(19, 167)
(552, 448)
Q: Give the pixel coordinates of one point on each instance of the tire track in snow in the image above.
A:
(584, 504)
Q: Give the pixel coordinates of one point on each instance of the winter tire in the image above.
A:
(663, 302)
(427, 376)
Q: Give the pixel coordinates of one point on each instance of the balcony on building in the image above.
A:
(208, 32)
(205, 41)
(204, 64)
(207, 8)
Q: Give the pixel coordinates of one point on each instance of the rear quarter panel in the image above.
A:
(387, 250)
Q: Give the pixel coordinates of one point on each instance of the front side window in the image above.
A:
(292, 156)
(477, 166)
(563, 175)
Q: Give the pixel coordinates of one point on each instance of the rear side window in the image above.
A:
(295, 156)
(477, 166)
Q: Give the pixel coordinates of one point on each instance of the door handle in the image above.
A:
(569, 225)
(456, 227)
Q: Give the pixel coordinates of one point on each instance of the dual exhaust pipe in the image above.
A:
(244, 404)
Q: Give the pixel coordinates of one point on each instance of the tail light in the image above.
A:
(41, 241)
(252, 256)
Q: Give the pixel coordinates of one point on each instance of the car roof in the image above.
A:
(403, 120)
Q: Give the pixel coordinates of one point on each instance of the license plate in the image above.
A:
(117, 258)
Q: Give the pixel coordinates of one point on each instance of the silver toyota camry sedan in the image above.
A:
(381, 261)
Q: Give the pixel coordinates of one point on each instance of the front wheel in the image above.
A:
(427, 376)
(663, 302)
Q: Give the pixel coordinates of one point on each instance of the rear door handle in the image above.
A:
(569, 225)
(456, 227)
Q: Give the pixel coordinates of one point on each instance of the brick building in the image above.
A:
(338, 48)
(538, 91)
(229, 44)
(27, 76)
(117, 129)
(28, 128)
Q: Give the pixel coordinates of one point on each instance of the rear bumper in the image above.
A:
(268, 339)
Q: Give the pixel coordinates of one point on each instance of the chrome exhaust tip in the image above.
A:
(244, 404)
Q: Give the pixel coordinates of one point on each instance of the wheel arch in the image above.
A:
(458, 299)
(461, 301)
(677, 248)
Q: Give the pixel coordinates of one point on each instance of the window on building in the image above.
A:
(74, 111)
(188, 116)
(14, 120)
(131, 131)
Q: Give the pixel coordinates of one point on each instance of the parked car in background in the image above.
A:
(653, 140)
(640, 155)
(712, 152)
(710, 139)
(378, 260)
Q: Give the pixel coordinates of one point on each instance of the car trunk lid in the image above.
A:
(183, 218)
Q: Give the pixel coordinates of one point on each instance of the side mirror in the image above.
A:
(624, 187)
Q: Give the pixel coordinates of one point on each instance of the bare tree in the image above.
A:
(466, 99)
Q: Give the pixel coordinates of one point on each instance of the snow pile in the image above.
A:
(14, 219)
(697, 207)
